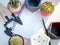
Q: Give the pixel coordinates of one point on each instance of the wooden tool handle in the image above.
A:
(5, 10)
(1, 17)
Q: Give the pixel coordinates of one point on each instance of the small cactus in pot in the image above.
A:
(47, 8)
(16, 40)
(14, 6)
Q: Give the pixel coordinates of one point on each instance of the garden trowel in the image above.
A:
(10, 16)
(7, 18)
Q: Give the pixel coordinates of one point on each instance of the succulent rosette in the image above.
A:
(16, 40)
(47, 8)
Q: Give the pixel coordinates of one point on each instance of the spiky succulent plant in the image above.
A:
(14, 3)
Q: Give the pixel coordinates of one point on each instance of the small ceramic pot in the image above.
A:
(33, 5)
(16, 39)
(15, 10)
(53, 30)
(47, 8)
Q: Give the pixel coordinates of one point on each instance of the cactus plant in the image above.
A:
(14, 6)
(14, 3)
(16, 40)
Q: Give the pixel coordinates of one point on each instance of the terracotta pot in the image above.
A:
(47, 8)
(20, 38)
(15, 10)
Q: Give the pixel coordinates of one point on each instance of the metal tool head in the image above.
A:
(17, 19)
(8, 31)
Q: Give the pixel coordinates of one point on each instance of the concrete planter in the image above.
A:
(33, 5)
(52, 32)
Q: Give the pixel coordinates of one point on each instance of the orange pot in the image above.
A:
(47, 8)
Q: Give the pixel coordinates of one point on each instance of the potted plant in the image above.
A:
(14, 6)
(33, 5)
(47, 8)
(54, 30)
(16, 40)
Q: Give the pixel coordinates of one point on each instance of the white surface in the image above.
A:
(31, 22)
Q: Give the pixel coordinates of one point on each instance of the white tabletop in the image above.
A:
(31, 22)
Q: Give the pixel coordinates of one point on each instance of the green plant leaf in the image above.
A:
(14, 3)
(15, 41)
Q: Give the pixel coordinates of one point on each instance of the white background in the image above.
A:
(31, 22)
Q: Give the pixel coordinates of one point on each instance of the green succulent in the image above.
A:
(14, 3)
(47, 7)
(15, 41)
